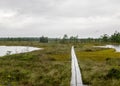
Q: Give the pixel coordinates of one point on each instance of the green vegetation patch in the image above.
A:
(48, 67)
(52, 65)
(99, 66)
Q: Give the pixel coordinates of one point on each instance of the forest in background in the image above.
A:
(114, 38)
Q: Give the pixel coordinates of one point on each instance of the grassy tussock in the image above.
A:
(48, 67)
(100, 67)
(52, 66)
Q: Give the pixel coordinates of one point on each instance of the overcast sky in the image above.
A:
(54, 18)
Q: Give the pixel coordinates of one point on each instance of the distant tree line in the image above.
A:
(114, 38)
(20, 39)
(39, 39)
(75, 39)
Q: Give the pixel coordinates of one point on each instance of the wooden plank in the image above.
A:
(76, 78)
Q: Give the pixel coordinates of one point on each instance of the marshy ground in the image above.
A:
(52, 65)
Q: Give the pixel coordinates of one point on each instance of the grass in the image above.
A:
(52, 66)
(99, 66)
(47, 67)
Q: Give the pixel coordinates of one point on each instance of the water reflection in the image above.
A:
(116, 47)
(6, 50)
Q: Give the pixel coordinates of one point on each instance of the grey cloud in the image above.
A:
(63, 7)
(57, 17)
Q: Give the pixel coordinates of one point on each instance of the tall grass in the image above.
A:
(47, 67)
(100, 67)
(52, 65)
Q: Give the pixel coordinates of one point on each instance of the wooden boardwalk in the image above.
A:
(76, 78)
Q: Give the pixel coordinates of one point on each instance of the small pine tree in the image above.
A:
(44, 39)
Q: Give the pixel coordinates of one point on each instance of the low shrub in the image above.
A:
(113, 73)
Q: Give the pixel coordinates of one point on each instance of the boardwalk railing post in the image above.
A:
(76, 78)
